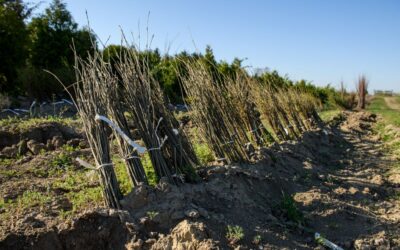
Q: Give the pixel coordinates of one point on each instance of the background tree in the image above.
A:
(52, 35)
(13, 42)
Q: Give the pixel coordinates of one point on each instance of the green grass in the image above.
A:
(203, 153)
(149, 170)
(28, 199)
(6, 161)
(387, 128)
(85, 197)
(327, 115)
(26, 123)
(10, 173)
(122, 175)
(390, 116)
(73, 180)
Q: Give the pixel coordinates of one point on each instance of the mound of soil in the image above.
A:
(48, 136)
(332, 181)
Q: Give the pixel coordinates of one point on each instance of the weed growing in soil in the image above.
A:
(72, 181)
(203, 153)
(257, 239)
(149, 170)
(32, 199)
(25, 124)
(234, 234)
(87, 197)
(2, 204)
(122, 175)
(6, 162)
(290, 209)
(151, 214)
(10, 173)
(62, 160)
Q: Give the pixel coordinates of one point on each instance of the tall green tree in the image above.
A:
(13, 42)
(53, 35)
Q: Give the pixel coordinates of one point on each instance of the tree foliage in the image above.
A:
(13, 41)
(48, 42)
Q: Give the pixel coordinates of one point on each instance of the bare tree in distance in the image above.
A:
(362, 87)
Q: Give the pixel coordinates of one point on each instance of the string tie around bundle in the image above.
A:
(256, 129)
(160, 145)
(231, 141)
(131, 156)
(87, 165)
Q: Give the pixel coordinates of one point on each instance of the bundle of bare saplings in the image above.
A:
(232, 112)
(107, 97)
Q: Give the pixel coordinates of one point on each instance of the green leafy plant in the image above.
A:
(61, 160)
(257, 239)
(234, 234)
(152, 214)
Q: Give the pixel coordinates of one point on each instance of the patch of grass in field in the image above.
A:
(203, 153)
(122, 175)
(388, 128)
(33, 198)
(5, 162)
(28, 199)
(390, 116)
(149, 170)
(86, 197)
(327, 115)
(10, 173)
(73, 180)
(26, 123)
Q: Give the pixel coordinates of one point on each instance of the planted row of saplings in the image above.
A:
(231, 112)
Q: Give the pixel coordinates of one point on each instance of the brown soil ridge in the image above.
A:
(336, 177)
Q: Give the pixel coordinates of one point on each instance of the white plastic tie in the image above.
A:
(286, 131)
(135, 146)
(22, 110)
(66, 101)
(10, 110)
(87, 165)
(32, 105)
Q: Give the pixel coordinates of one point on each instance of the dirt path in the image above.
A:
(337, 177)
(392, 102)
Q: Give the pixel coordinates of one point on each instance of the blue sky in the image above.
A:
(317, 40)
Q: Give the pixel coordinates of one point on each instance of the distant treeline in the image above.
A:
(29, 45)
